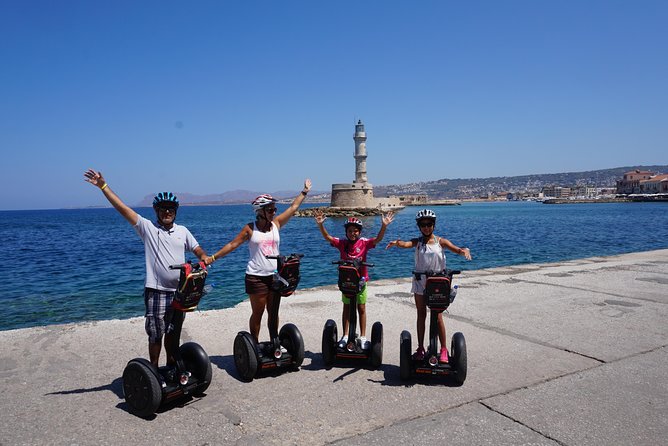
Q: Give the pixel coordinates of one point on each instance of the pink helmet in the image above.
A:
(353, 221)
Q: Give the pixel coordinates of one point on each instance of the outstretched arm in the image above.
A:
(456, 249)
(282, 219)
(320, 219)
(386, 220)
(401, 244)
(244, 235)
(96, 179)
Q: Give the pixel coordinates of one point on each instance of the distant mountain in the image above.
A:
(476, 187)
(438, 189)
(230, 197)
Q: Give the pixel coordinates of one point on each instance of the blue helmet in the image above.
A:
(165, 199)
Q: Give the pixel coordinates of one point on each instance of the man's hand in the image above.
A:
(95, 178)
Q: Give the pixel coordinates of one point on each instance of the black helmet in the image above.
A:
(165, 199)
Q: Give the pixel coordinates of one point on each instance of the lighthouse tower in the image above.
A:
(359, 193)
(360, 153)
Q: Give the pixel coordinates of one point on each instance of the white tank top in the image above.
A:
(263, 244)
(429, 257)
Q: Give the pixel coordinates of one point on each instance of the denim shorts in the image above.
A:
(158, 313)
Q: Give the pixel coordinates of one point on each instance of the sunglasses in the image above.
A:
(270, 210)
(167, 210)
(426, 224)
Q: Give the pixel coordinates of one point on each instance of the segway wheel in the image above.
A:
(405, 361)
(291, 338)
(198, 363)
(458, 349)
(329, 337)
(141, 387)
(245, 356)
(376, 345)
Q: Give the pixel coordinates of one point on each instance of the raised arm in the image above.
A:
(244, 235)
(456, 249)
(96, 179)
(320, 219)
(282, 219)
(385, 221)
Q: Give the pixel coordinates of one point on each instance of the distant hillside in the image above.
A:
(439, 189)
(230, 197)
(475, 187)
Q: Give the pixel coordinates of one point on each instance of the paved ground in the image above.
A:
(571, 353)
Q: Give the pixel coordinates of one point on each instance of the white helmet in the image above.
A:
(425, 213)
(262, 201)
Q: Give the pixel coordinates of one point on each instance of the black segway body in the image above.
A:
(285, 350)
(438, 297)
(146, 388)
(351, 283)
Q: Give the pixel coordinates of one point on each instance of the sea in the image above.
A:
(75, 265)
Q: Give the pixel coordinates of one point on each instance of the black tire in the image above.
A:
(405, 360)
(198, 363)
(376, 345)
(141, 387)
(245, 356)
(458, 349)
(329, 338)
(291, 338)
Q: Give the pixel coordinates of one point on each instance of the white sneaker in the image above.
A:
(343, 342)
(364, 343)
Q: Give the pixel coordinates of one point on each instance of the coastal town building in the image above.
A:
(630, 182)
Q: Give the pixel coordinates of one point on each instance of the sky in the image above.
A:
(213, 96)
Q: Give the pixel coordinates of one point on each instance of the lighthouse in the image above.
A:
(360, 153)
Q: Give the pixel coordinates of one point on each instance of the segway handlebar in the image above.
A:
(294, 254)
(352, 262)
(195, 266)
(446, 272)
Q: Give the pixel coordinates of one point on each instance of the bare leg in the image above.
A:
(441, 330)
(345, 317)
(421, 306)
(361, 310)
(154, 349)
(258, 304)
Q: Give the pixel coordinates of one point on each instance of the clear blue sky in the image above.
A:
(211, 96)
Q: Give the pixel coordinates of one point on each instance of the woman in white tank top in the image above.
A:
(263, 240)
(429, 257)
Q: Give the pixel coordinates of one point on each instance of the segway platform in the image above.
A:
(286, 349)
(351, 283)
(439, 295)
(146, 388)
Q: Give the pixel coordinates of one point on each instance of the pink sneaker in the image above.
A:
(419, 354)
(444, 355)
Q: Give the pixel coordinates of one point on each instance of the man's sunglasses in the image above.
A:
(426, 224)
(270, 210)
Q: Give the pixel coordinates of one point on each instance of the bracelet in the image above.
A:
(103, 187)
(304, 193)
(213, 257)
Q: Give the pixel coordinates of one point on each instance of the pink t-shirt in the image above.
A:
(357, 250)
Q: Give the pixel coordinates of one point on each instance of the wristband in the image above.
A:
(213, 257)
(103, 187)
(304, 193)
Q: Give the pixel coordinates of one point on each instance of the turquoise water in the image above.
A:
(88, 264)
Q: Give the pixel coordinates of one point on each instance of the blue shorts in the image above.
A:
(159, 313)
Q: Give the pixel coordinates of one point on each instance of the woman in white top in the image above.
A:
(429, 256)
(263, 240)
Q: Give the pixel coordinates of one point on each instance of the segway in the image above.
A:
(285, 350)
(439, 295)
(351, 283)
(146, 388)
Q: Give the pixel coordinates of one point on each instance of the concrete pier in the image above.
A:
(569, 353)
